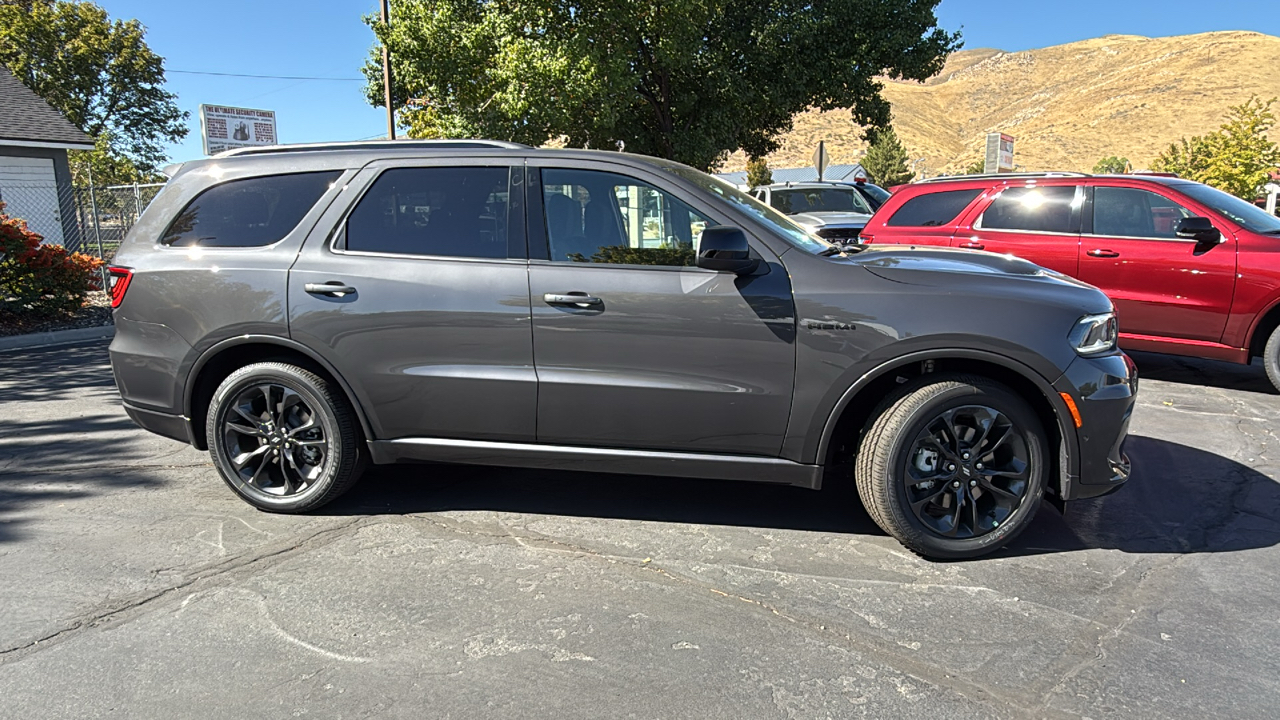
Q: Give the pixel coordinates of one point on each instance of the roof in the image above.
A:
(804, 174)
(27, 120)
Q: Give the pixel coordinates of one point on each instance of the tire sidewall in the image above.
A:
(1271, 358)
(236, 383)
(1030, 429)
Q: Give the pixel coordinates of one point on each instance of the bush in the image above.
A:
(38, 279)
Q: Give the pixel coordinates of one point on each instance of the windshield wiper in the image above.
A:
(844, 248)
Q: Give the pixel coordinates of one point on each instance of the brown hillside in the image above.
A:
(1067, 105)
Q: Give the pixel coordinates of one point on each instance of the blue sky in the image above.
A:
(326, 38)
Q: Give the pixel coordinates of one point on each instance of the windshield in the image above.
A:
(1246, 215)
(874, 194)
(806, 200)
(731, 195)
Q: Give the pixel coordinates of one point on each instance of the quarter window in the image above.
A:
(1130, 212)
(252, 212)
(444, 211)
(932, 209)
(1033, 209)
(600, 217)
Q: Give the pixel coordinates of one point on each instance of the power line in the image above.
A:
(265, 77)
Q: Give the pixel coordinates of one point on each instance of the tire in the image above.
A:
(979, 505)
(300, 454)
(1271, 358)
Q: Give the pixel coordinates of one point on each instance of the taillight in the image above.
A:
(119, 279)
(866, 238)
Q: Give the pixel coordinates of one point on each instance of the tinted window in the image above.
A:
(1129, 212)
(802, 200)
(932, 209)
(874, 194)
(453, 212)
(599, 217)
(1036, 209)
(1249, 216)
(247, 213)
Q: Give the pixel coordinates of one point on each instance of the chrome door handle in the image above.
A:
(571, 299)
(972, 245)
(332, 288)
(1104, 253)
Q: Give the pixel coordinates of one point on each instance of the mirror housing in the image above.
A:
(1200, 229)
(724, 248)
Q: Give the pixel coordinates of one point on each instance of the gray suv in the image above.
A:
(304, 311)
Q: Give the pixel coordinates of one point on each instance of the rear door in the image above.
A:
(1163, 286)
(418, 294)
(1033, 222)
(657, 354)
(925, 219)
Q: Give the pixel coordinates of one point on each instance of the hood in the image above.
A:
(944, 267)
(824, 219)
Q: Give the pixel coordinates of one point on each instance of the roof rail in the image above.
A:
(1014, 176)
(372, 145)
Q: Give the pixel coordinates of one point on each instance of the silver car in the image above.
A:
(830, 210)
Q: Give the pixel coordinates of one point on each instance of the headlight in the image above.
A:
(1095, 334)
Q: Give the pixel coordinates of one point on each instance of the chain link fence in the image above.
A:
(90, 220)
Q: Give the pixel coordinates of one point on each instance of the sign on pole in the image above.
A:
(999, 153)
(226, 128)
(821, 159)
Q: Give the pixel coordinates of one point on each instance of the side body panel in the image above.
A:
(1056, 251)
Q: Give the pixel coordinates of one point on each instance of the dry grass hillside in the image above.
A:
(1067, 105)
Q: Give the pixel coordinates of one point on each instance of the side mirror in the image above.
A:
(1199, 229)
(724, 248)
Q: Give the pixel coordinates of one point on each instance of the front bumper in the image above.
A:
(1105, 390)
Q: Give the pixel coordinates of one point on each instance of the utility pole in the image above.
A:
(386, 77)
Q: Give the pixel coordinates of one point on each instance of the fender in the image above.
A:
(1272, 306)
(189, 384)
(1060, 411)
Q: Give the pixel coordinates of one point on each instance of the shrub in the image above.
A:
(38, 279)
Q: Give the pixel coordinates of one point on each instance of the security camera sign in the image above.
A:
(227, 128)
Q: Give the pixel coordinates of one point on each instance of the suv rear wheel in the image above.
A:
(953, 466)
(1271, 358)
(283, 438)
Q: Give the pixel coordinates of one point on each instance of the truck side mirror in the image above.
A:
(725, 249)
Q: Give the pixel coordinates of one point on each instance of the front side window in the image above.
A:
(802, 200)
(601, 217)
(1032, 209)
(253, 212)
(1130, 212)
(932, 209)
(1247, 215)
(441, 211)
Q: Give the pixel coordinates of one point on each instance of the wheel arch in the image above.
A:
(1266, 324)
(225, 357)
(853, 412)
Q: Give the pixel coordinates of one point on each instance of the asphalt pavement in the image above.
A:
(134, 584)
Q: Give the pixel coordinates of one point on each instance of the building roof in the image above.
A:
(834, 173)
(27, 120)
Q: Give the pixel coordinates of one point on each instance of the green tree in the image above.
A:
(1111, 166)
(886, 159)
(1238, 158)
(689, 80)
(99, 73)
(977, 167)
(758, 172)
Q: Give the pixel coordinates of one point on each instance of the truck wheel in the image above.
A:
(283, 438)
(953, 466)
(1271, 358)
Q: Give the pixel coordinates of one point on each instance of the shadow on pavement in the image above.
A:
(1179, 500)
(1195, 371)
(54, 373)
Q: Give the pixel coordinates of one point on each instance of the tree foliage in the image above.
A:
(688, 80)
(38, 279)
(758, 172)
(1238, 158)
(97, 72)
(1111, 166)
(977, 167)
(886, 160)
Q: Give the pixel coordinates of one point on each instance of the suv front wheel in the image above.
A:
(283, 438)
(1271, 358)
(953, 466)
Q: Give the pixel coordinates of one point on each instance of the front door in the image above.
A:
(420, 299)
(1040, 224)
(1162, 286)
(637, 348)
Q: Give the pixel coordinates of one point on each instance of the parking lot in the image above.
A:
(136, 584)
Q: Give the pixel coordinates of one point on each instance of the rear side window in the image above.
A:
(442, 211)
(932, 209)
(1032, 209)
(252, 212)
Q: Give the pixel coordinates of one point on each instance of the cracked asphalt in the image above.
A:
(135, 585)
